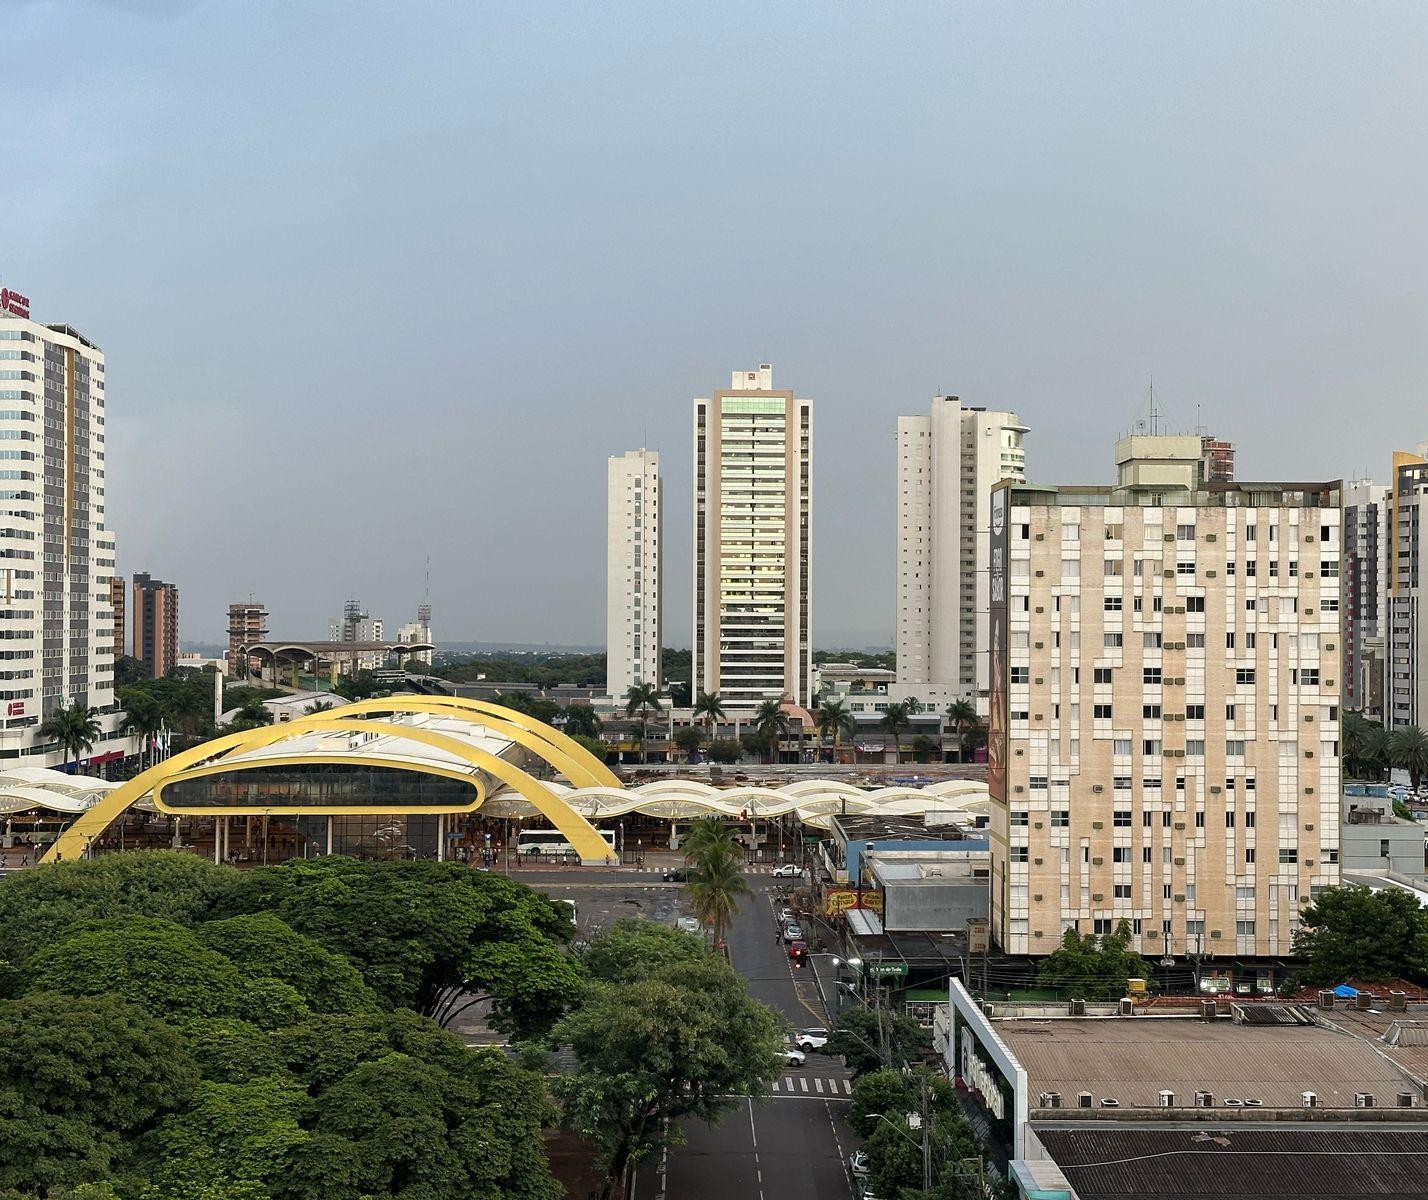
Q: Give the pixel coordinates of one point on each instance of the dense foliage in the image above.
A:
(176, 1030)
(869, 1038)
(1358, 933)
(1094, 967)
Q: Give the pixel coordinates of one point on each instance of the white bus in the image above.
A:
(552, 841)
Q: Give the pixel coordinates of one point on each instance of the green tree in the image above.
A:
(860, 1035)
(1408, 751)
(1358, 933)
(723, 750)
(73, 728)
(896, 719)
(251, 714)
(685, 1042)
(834, 719)
(770, 724)
(963, 715)
(634, 949)
(923, 748)
(260, 944)
(581, 719)
(1100, 965)
(708, 838)
(38, 905)
(689, 738)
(642, 698)
(594, 746)
(83, 1080)
(429, 936)
(883, 1092)
(715, 888)
(709, 708)
(143, 719)
(1356, 733)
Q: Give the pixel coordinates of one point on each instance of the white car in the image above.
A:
(811, 1039)
(785, 915)
(793, 1058)
(788, 871)
(858, 1163)
(687, 925)
(793, 932)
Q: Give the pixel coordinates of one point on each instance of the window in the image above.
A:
(1151, 782)
(1235, 748)
(1329, 568)
(1101, 675)
(1150, 675)
(1229, 712)
(1250, 531)
(1288, 854)
(1145, 854)
(1037, 783)
(1101, 712)
(1019, 854)
(1229, 641)
(1250, 641)
(1021, 675)
(1194, 747)
(1200, 820)
(1111, 603)
(1122, 891)
(1194, 712)
(1120, 854)
(1328, 604)
(1229, 818)
(1309, 676)
(1185, 568)
(1195, 929)
(1018, 818)
(1151, 712)
(1121, 819)
(1101, 925)
(1121, 783)
(1194, 641)
(1060, 818)
(1274, 533)
(1244, 675)
(1249, 819)
(1195, 604)
(1185, 533)
(1112, 566)
(1147, 819)
(1121, 747)
(1114, 531)
(1150, 641)
(1150, 747)
(1111, 641)
(1246, 928)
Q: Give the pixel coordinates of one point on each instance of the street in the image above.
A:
(792, 1144)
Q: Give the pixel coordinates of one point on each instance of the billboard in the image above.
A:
(997, 708)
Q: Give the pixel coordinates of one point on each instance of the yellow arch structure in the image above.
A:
(582, 836)
(566, 755)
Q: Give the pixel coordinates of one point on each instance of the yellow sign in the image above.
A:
(839, 900)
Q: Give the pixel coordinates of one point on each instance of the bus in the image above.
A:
(553, 842)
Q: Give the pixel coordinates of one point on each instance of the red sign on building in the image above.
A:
(14, 303)
(16, 708)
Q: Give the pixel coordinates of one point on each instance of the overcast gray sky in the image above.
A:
(379, 282)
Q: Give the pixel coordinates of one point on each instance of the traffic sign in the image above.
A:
(882, 970)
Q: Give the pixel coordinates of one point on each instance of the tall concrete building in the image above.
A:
(947, 465)
(633, 571)
(118, 602)
(247, 624)
(155, 624)
(1365, 595)
(752, 543)
(57, 623)
(418, 631)
(1164, 733)
(1217, 459)
(1406, 702)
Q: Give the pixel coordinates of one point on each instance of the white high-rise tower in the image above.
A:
(633, 579)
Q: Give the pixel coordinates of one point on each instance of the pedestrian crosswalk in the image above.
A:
(812, 1085)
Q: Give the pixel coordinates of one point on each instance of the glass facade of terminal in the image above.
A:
(296, 786)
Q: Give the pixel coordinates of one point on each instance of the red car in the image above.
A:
(798, 951)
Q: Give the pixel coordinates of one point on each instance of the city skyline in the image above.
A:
(919, 224)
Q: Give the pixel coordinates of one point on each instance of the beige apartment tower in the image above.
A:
(155, 624)
(752, 549)
(1164, 733)
(633, 571)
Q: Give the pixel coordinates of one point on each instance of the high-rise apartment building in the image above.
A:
(948, 462)
(1164, 734)
(1365, 595)
(417, 631)
(1407, 633)
(633, 571)
(356, 624)
(118, 601)
(57, 625)
(1217, 459)
(155, 624)
(752, 547)
(247, 624)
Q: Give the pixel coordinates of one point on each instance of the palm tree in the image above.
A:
(642, 698)
(834, 718)
(73, 728)
(895, 721)
(1378, 751)
(707, 838)
(770, 723)
(913, 705)
(717, 881)
(709, 706)
(581, 719)
(1408, 750)
(143, 718)
(963, 715)
(1356, 730)
(321, 706)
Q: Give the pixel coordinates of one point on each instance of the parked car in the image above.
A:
(811, 1039)
(798, 951)
(858, 1163)
(688, 925)
(676, 875)
(785, 915)
(792, 932)
(793, 1058)
(788, 871)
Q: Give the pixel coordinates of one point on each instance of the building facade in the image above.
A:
(247, 624)
(1163, 742)
(752, 543)
(155, 624)
(634, 579)
(948, 463)
(118, 601)
(1217, 458)
(418, 631)
(57, 624)
(1365, 596)
(1406, 702)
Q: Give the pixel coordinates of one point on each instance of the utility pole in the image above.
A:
(926, 1139)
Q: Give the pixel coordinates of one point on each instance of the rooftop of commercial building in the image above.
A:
(874, 827)
(954, 867)
(1131, 1060)
(1241, 1163)
(1215, 495)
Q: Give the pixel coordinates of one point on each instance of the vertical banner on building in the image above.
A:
(997, 713)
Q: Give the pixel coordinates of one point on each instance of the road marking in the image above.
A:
(804, 1081)
(818, 1085)
(754, 1134)
(847, 1087)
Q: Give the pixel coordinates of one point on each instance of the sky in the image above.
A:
(381, 284)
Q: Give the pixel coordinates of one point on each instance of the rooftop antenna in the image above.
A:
(1154, 412)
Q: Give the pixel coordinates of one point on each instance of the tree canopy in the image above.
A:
(1358, 933)
(1094, 965)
